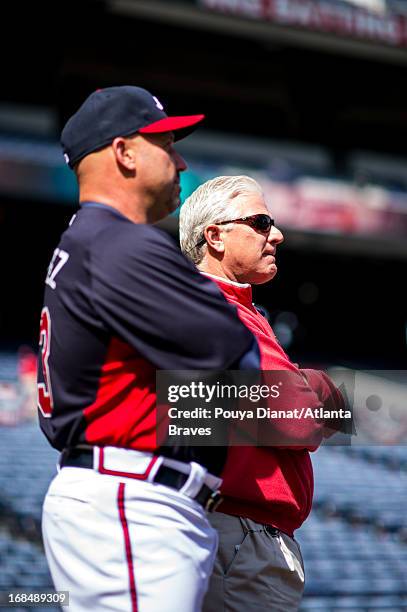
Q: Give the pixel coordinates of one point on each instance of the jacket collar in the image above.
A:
(237, 292)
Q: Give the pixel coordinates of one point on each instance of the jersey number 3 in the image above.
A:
(45, 403)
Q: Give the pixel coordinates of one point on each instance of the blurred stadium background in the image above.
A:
(310, 98)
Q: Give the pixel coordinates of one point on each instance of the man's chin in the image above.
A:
(267, 276)
(167, 209)
(174, 204)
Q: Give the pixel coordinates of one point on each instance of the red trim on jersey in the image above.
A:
(123, 413)
(129, 556)
(142, 476)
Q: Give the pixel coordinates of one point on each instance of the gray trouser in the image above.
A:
(255, 569)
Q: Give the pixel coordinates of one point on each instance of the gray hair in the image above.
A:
(212, 202)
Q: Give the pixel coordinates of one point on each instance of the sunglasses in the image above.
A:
(260, 222)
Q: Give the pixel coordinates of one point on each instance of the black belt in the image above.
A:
(168, 476)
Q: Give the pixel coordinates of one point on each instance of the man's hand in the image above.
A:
(332, 399)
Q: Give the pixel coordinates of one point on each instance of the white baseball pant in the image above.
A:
(118, 544)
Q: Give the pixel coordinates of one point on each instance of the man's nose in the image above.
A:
(180, 162)
(275, 235)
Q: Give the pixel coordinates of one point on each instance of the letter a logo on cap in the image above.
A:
(158, 103)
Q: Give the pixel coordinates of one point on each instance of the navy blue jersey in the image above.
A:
(121, 301)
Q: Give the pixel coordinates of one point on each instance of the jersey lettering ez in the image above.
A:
(59, 259)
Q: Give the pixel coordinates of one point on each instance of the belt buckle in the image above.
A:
(213, 501)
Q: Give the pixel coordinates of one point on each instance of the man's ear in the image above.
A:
(124, 154)
(213, 237)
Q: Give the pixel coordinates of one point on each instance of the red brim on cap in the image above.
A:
(170, 124)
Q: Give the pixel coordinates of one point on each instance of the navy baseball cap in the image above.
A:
(118, 111)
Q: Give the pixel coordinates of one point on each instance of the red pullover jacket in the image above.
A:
(267, 484)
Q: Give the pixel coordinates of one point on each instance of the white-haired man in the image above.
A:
(227, 230)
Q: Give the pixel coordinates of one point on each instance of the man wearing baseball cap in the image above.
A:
(124, 520)
(103, 139)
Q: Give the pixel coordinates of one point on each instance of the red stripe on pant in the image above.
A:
(129, 557)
